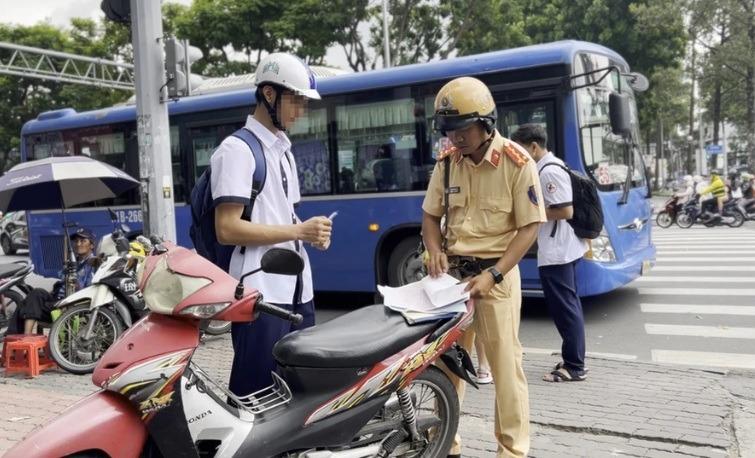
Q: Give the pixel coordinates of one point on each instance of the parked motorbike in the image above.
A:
(13, 291)
(691, 213)
(94, 317)
(361, 385)
(667, 216)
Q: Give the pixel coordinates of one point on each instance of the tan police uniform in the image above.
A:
(494, 198)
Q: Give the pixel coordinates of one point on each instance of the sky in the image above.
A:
(59, 13)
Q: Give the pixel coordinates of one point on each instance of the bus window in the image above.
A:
(179, 182)
(51, 144)
(205, 139)
(603, 151)
(309, 145)
(376, 146)
(511, 116)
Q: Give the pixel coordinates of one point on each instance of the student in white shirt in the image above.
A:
(284, 84)
(558, 252)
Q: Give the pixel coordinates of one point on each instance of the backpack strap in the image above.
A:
(260, 168)
(446, 191)
(260, 172)
(567, 170)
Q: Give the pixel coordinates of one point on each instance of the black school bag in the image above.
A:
(202, 230)
(587, 220)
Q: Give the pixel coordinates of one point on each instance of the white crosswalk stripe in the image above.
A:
(699, 299)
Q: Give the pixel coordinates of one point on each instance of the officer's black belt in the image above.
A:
(470, 265)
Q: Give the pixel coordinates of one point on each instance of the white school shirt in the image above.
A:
(232, 166)
(564, 247)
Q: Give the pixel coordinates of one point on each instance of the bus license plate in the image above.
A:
(646, 266)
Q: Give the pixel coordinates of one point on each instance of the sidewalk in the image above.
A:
(623, 409)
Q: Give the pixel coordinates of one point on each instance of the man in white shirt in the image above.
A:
(558, 252)
(284, 83)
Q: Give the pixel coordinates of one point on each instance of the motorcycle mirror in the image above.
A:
(282, 261)
(121, 245)
(124, 228)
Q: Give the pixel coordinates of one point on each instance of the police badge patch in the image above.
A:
(550, 187)
(532, 195)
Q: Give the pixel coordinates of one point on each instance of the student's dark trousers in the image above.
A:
(253, 344)
(560, 289)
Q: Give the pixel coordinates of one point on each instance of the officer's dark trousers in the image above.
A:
(560, 288)
(253, 347)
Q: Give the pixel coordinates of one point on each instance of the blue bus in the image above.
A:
(367, 150)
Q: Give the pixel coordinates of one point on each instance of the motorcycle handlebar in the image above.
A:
(280, 312)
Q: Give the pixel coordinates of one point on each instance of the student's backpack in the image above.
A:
(587, 220)
(202, 230)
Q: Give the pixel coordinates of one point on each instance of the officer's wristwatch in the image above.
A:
(497, 276)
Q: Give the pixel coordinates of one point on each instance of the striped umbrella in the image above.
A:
(60, 182)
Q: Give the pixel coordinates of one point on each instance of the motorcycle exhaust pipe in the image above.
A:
(360, 452)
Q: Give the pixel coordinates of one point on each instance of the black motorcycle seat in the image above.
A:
(360, 338)
(9, 270)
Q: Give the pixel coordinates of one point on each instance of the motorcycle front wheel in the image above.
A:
(684, 220)
(664, 219)
(68, 345)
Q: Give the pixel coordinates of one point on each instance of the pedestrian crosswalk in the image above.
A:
(698, 303)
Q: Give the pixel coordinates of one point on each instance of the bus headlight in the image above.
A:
(600, 248)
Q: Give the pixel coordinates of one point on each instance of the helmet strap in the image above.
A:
(274, 109)
(486, 142)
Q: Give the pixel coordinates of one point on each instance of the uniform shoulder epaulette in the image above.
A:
(452, 151)
(513, 153)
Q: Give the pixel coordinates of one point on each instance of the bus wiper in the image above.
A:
(628, 181)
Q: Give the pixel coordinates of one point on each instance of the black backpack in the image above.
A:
(587, 220)
(202, 230)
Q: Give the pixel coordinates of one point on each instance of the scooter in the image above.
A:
(361, 385)
(92, 318)
(667, 216)
(691, 214)
(747, 206)
(13, 291)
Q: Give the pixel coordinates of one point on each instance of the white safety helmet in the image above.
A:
(697, 178)
(688, 180)
(289, 72)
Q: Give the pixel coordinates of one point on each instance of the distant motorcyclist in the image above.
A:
(688, 191)
(718, 189)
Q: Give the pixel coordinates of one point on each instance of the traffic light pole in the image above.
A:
(152, 124)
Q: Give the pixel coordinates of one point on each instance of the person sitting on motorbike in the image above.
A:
(718, 189)
(39, 304)
(688, 191)
(748, 188)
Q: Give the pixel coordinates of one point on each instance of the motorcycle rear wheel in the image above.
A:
(664, 219)
(685, 221)
(436, 408)
(739, 218)
(67, 345)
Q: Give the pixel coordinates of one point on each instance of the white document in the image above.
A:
(426, 295)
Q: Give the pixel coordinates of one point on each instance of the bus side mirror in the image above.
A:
(618, 110)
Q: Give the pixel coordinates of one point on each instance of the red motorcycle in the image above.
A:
(361, 385)
(667, 216)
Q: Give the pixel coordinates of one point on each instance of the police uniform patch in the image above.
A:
(550, 187)
(532, 195)
(495, 158)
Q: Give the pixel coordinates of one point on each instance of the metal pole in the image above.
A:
(702, 163)
(187, 66)
(386, 37)
(152, 120)
(725, 151)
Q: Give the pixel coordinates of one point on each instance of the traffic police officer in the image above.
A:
(494, 210)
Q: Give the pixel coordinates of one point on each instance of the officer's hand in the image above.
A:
(480, 285)
(315, 230)
(437, 264)
(322, 246)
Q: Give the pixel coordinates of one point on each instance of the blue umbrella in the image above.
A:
(61, 182)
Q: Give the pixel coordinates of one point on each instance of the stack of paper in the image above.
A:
(428, 299)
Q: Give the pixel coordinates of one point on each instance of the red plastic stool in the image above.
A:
(8, 339)
(23, 355)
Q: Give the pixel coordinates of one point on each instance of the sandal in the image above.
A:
(483, 377)
(562, 374)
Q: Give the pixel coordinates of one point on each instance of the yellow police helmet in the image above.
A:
(462, 102)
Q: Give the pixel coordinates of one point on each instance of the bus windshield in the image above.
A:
(604, 153)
